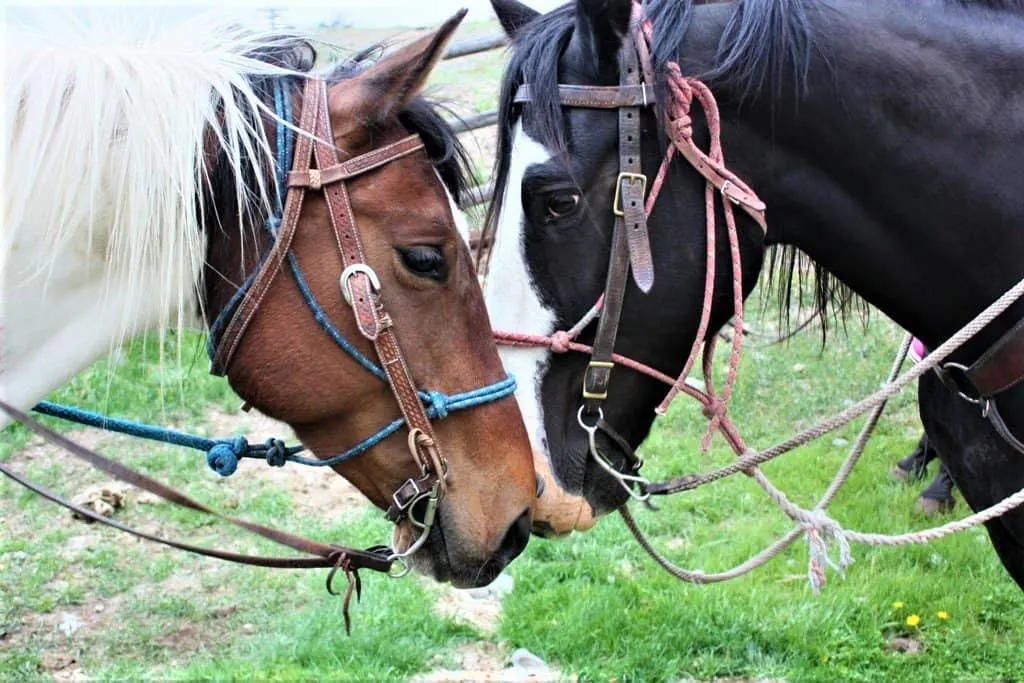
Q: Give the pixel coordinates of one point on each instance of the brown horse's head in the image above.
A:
(288, 367)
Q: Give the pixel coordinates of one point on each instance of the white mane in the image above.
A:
(108, 119)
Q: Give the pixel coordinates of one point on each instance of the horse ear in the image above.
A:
(600, 27)
(513, 15)
(397, 78)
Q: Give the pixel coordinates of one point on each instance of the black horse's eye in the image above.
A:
(425, 261)
(561, 204)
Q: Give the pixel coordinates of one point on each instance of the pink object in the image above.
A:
(917, 350)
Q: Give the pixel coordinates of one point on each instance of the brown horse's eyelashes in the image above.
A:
(426, 261)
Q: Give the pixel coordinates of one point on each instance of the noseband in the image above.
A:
(360, 288)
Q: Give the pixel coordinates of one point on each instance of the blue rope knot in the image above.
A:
(438, 404)
(277, 452)
(223, 456)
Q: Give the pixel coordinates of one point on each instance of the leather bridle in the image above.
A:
(359, 284)
(998, 369)
(631, 206)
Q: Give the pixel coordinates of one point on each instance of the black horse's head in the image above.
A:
(556, 178)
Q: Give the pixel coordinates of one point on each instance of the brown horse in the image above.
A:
(384, 223)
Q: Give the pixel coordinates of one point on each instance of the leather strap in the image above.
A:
(630, 240)
(597, 96)
(324, 555)
(632, 183)
(373, 320)
(1002, 364)
(356, 166)
(738, 195)
(239, 323)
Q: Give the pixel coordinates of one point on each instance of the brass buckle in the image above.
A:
(617, 201)
(595, 364)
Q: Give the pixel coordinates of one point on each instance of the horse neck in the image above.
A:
(897, 171)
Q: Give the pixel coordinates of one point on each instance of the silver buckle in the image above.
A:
(347, 274)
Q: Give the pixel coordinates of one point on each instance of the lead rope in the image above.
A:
(817, 542)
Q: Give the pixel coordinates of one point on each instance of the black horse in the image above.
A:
(886, 140)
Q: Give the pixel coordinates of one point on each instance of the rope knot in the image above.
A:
(276, 453)
(682, 128)
(223, 457)
(438, 404)
(821, 530)
(560, 341)
(715, 408)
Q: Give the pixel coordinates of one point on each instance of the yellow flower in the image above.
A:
(913, 620)
(898, 604)
(942, 614)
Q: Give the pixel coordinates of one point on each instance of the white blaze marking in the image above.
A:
(513, 300)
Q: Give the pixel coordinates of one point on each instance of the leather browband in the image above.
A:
(597, 96)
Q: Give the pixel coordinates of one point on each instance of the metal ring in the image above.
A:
(584, 425)
(403, 567)
(347, 274)
(980, 401)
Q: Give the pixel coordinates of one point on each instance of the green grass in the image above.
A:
(591, 603)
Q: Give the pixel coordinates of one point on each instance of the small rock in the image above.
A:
(99, 608)
(147, 498)
(499, 588)
(69, 623)
(249, 628)
(524, 659)
(840, 442)
(908, 646)
(799, 367)
(675, 543)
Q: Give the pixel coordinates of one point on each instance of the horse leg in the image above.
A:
(938, 497)
(983, 466)
(915, 466)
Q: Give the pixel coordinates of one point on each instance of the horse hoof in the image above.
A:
(929, 507)
(900, 474)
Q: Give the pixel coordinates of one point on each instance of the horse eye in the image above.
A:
(425, 261)
(562, 204)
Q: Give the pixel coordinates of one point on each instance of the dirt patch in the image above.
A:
(459, 605)
(484, 661)
(314, 490)
(39, 450)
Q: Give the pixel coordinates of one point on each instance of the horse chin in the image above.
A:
(559, 510)
(435, 559)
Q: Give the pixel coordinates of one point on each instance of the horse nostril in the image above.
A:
(515, 538)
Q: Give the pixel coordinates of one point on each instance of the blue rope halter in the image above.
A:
(222, 455)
